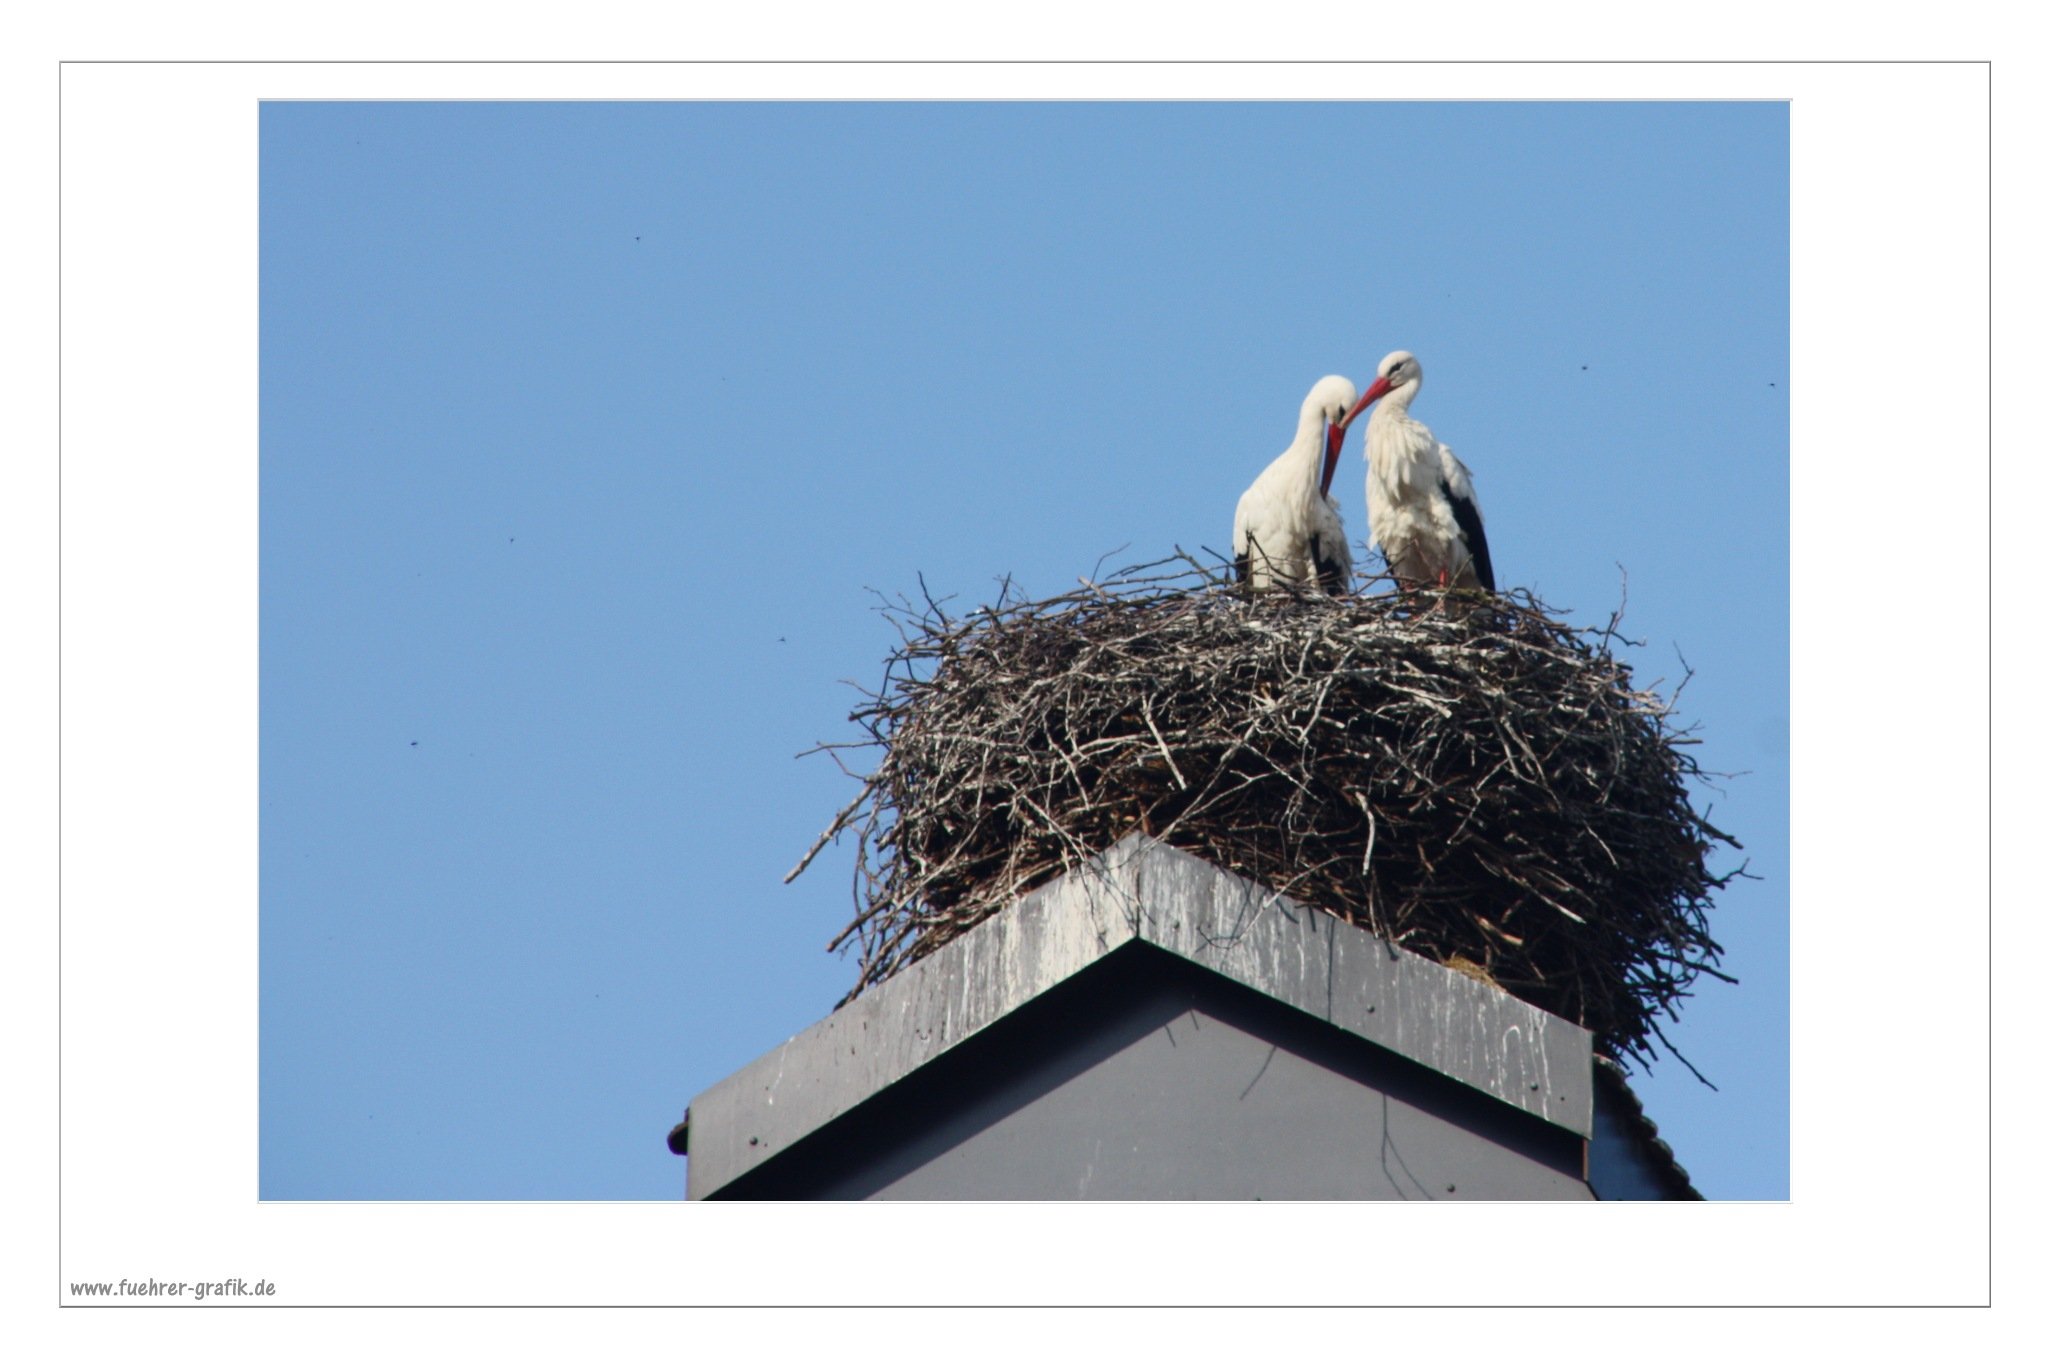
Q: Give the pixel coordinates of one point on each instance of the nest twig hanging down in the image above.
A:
(1466, 777)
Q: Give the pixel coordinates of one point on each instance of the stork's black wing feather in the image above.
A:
(1329, 573)
(1466, 513)
(1244, 567)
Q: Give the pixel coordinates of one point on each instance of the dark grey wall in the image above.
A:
(1619, 1160)
(1173, 1083)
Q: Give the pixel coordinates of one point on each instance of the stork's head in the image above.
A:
(1330, 399)
(1322, 413)
(1400, 375)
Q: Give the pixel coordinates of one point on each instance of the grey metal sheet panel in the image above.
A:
(1466, 1029)
(1174, 1083)
(1141, 889)
(872, 1042)
(1202, 1109)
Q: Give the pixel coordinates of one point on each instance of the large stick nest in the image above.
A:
(1465, 776)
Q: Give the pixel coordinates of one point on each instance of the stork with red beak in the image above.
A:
(1420, 505)
(1288, 527)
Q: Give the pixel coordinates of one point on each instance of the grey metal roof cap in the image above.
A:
(1141, 890)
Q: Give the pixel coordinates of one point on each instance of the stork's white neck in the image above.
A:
(1390, 420)
(1309, 434)
(1399, 397)
(1395, 443)
(1308, 437)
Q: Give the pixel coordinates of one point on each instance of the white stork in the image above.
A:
(1419, 501)
(1288, 528)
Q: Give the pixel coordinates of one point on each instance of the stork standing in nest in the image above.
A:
(1288, 527)
(1420, 505)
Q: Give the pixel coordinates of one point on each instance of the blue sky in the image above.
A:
(586, 429)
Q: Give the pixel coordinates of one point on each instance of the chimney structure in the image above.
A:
(1150, 1026)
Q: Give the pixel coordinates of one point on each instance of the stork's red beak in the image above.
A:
(1365, 400)
(1333, 441)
